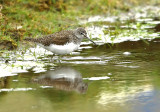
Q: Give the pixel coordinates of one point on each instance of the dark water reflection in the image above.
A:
(124, 77)
(63, 78)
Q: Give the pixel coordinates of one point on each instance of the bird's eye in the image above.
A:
(81, 33)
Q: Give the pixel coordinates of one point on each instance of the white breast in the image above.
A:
(61, 49)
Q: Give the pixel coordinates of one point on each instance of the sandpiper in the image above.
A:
(63, 42)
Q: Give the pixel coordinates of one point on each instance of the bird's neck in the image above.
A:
(77, 38)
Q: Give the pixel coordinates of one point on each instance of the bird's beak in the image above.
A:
(90, 40)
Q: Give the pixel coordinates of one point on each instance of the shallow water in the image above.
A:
(124, 77)
(119, 77)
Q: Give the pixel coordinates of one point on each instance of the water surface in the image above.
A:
(124, 77)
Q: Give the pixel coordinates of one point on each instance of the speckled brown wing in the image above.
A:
(59, 38)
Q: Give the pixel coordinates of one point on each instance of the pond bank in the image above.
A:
(21, 19)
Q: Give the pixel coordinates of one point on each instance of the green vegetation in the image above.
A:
(22, 18)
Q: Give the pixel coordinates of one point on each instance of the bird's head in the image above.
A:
(81, 33)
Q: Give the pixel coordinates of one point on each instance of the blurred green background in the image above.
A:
(21, 18)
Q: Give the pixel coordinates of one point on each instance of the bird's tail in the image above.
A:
(30, 39)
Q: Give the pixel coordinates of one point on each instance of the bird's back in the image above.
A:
(58, 38)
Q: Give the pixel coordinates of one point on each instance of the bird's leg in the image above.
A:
(52, 60)
(59, 59)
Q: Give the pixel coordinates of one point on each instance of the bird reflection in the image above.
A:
(63, 78)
